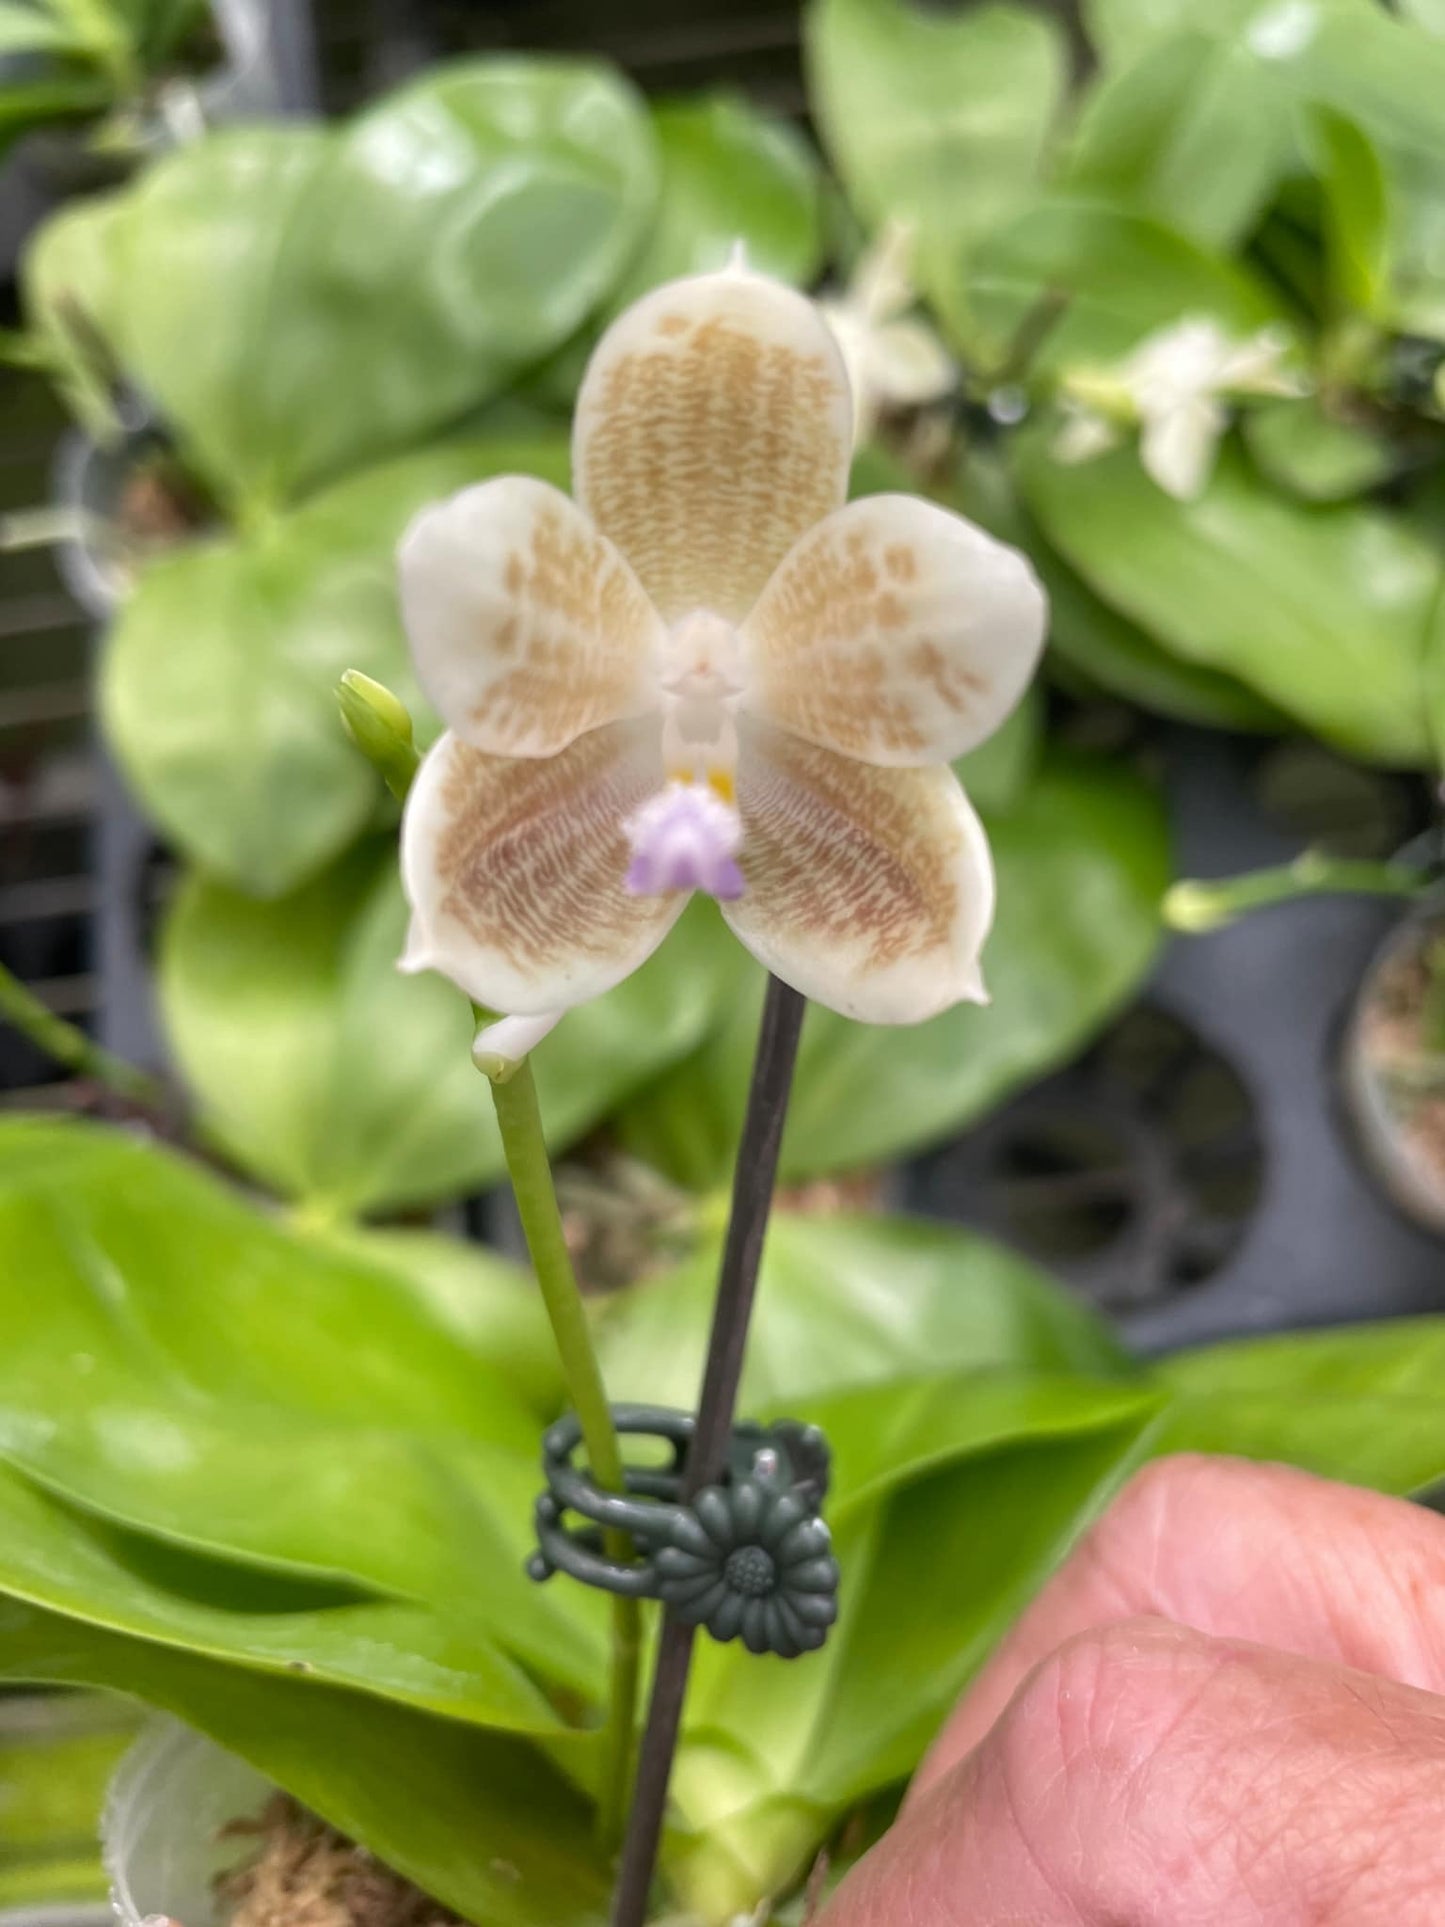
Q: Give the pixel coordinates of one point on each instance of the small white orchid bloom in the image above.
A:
(706, 673)
(1174, 385)
(894, 359)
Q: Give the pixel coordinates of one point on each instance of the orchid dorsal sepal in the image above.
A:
(503, 1044)
(379, 724)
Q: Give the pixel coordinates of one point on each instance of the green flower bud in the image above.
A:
(378, 723)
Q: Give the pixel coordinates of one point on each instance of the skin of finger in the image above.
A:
(1151, 1775)
(1256, 1552)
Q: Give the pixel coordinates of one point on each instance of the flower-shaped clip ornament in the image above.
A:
(706, 673)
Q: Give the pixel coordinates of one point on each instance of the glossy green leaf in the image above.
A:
(850, 1302)
(224, 1436)
(333, 1078)
(1193, 130)
(1360, 1404)
(729, 174)
(1357, 211)
(1086, 635)
(939, 120)
(218, 685)
(299, 303)
(1323, 611)
(473, 1817)
(1115, 274)
(57, 1753)
(491, 1306)
(998, 772)
(69, 276)
(1314, 455)
(48, 99)
(1082, 864)
(1119, 28)
(26, 28)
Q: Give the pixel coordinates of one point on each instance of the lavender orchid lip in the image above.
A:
(685, 838)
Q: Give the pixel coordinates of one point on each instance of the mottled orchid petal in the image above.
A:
(712, 428)
(895, 632)
(527, 628)
(514, 870)
(869, 890)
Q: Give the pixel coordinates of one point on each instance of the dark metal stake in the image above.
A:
(753, 1178)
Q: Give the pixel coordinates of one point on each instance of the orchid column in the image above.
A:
(708, 672)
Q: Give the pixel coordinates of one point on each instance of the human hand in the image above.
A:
(1222, 1710)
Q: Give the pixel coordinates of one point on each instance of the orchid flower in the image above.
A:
(706, 673)
(894, 360)
(1174, 385)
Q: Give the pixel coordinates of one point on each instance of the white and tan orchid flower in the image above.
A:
(1174, 385)
(894, 359)
(706, 673)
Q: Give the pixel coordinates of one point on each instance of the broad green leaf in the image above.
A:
(1091, 637)
(57, 1753)
(1082, 864)
(48, 99)
(27, 28)
(1119, 28)
(1323, 611)
(334, 1079)
(729, 174)
(492, 1306)
(233, 1438)
(1118, 656)
(67, 1559)
(1116, 276)
(1360, 1404)
(1315, 455)
(1357, 211)
(71, 293)
(997, 773)
(299, 303)
(474, 1817)
(1429, 14)
(1194, 130)
(937, 120)
(218, 682)
(852, 1302)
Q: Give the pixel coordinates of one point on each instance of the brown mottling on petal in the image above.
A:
(530, 859)
(838, 854)
(710, 437)
(881, 648)
(573, 601)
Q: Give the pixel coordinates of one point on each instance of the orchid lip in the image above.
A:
(686, 837)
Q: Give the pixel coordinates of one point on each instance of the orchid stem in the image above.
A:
(1196, 906)
(520, 1122)
(69, 1046)
(753, 1180)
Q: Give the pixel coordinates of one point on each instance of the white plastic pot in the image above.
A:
(171, 1799)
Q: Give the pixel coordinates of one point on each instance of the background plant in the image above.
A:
(273, 1470)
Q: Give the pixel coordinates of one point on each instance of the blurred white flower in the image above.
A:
(894, 359)
(1174, 386)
